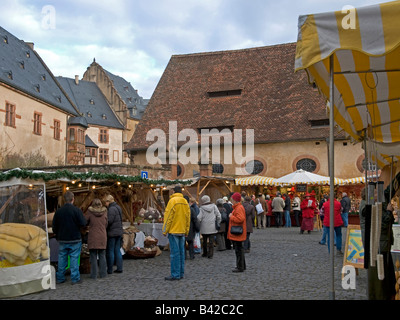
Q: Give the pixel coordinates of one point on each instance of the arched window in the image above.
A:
(306, 164)
(254, 167)
(178, 170)
(217, 168)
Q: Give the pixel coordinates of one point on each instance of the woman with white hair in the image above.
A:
(209, 214)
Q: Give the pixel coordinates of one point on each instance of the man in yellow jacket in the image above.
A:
(176, 225)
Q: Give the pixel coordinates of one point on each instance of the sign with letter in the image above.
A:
(144, 175)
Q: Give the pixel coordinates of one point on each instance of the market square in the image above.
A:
(248, 173)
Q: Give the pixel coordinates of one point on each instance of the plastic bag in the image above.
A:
(197, 243)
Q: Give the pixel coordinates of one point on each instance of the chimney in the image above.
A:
(31, 45)
(77, 80)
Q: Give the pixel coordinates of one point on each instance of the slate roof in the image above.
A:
(90, 102)
(267, 96)
(129, 95)
(89, 142)
(23, 69)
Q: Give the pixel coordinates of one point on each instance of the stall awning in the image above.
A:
(256, 181)
(268, 181)
(365, 46)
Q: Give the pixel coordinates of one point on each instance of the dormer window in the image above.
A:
(43, 77)
(224, 93)
(37, 88)
(9, 75)
(91, 101)
(134, 111)
(89, 114)
(58, 98)
(22, 64)
(104, 116)
(320, 123)
(28, 54)
(5, 39)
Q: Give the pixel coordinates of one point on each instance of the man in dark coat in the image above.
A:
(114, 235)
(250, 216)
(193, 229)
(67, 223)
(346, 206)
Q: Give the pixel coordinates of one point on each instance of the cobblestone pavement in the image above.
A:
(282, 265)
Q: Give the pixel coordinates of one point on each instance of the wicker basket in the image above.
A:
(141, 254)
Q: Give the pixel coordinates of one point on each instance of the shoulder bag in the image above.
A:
(236, 230)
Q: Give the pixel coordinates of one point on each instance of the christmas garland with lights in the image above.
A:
(95, 176)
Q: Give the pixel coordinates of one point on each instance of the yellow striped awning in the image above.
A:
(365, 46)
(357, 180)
(255, 181)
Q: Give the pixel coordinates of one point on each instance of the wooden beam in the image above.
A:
(219, 188)
(198, 190)
(229, 187)
(202, 190)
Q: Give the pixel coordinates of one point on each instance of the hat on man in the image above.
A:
(308, 195)
(178, 189)
(237, 197)
(225, 198)
(205, 199)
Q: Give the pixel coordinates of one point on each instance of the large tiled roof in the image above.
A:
(23, 69)
(91, 102)
(267, 96)
(129, 95)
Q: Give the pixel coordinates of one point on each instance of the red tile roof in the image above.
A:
(274, 100)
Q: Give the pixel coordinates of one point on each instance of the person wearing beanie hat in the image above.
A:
(208, 217)
(238, 218)
(177, 225)
(114, 235)
(237, 197)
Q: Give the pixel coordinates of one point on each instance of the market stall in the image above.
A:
(41, 194)
(351, 56)
(24, 244)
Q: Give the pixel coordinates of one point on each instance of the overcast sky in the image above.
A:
(136, 38)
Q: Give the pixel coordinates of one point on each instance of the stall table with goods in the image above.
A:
(24, 245)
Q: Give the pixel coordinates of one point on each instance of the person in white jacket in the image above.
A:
(296, 209)
(208, 218)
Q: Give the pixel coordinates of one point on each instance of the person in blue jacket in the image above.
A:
(67, 224)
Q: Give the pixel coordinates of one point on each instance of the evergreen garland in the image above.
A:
(65, 174)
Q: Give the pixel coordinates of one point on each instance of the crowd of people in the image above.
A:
(225, 224)
(186, 220)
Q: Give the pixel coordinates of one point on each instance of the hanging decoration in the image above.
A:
(94, 176)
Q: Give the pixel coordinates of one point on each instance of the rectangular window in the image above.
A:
(10, 115)
(57, 129)
(37, 123)
(91, 152)
(116, 156)
(72, 134)
(321, 123)
(225, 93)
(103, 156)
(103, 136)
(81, 136)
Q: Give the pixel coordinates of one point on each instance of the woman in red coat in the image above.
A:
(337, 221)
(307, 206)
(238, 218)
